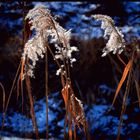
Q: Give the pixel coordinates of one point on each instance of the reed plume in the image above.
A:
(46, 30)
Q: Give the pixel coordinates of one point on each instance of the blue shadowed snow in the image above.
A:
(20, 123)
(132, 6)
(99, 120)
(97, 117)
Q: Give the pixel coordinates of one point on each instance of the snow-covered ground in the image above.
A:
(97, 116)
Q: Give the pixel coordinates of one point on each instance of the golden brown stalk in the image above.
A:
(124, 104)
(32, 112)
(125, 73)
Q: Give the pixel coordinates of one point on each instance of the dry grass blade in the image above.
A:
(8, 100)
(68, 116)
(74, 132)
(137, 89)
(124, 102)
(121, 59)
(128, 84)
(122, 113)
(21, 80)
(125, 73)
(22, 69)
(77, 111)
(67, 104)
(18, 87)
(74, 108)
(32, 112)
(70, 127)
(65, 95)
(3, 106)
(3, 93)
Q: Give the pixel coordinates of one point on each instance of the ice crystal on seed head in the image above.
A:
(58, 71)
(116, 42)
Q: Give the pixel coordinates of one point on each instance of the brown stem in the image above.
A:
(32, 112)
(47, 91)
(124, 106)
(121, 59)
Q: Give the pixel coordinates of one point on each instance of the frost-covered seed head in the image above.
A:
(116, 43)
(47, 30)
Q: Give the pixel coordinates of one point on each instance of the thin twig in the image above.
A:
(8, 100)
(121, 60)
(3, 93)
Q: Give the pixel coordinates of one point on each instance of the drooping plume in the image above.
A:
(116, 43)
